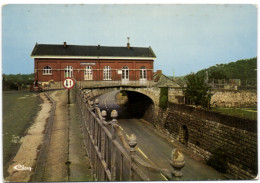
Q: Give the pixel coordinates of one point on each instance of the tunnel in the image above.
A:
(139, 106)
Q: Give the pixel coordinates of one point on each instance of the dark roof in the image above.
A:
(78, 50)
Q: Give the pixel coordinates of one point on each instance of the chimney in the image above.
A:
(159, 72)
(128, 44)
(64, 44)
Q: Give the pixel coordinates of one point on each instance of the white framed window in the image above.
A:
(88, 75)
(47, 70)
(68, 72)
(107, 73)
(125, 73)
(143, 73)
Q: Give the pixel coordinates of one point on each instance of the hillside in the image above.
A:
(245, 70)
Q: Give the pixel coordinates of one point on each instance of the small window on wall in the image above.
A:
(47, 70)
(107, 73)
(68, 72)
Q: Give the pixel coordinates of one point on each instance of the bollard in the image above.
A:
(177, 162)
(132, 143)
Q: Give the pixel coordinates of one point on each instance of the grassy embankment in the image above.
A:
(250, 113)
(19, 110)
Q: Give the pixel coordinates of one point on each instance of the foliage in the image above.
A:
(245, 70)
(197, 91)
(16, 81)
(163, 101)
(219, 160)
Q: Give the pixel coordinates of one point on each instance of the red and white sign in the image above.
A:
(68, 83)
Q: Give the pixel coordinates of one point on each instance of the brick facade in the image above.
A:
(79, 66)
(96, 63)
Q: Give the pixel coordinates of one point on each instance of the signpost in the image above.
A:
(68, 83)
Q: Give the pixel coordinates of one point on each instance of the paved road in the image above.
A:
(155, 149)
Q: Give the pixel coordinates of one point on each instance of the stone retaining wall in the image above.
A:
(234, 99)
(221, 98)
(205, 135)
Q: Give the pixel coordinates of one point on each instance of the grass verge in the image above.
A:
(250, 113)
(19, 111)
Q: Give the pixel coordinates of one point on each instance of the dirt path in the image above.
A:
(56, 168)
(26, 156)
(66, 157)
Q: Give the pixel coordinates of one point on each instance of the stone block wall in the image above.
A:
(220, 98)
(234, 99)
(205, 133)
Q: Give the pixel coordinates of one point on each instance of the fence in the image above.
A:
(112, 155)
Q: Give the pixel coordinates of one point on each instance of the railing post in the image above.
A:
(104, 114)
(92, 120)
(103, 144)
(132, 143)
(113, 149)
(91, 105)
(177, 162)
(96, 102)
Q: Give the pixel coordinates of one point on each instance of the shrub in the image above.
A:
(163, 103)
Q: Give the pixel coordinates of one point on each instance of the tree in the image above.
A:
(197, 91)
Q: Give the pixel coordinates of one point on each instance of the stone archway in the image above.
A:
(184, 135)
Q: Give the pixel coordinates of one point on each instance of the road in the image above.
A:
(153, 148)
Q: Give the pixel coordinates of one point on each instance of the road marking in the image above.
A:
(121, 128)
(142, 152)
(105, 101)
(163, 176)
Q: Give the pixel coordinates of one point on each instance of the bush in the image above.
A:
(219, 160)
(163, 103)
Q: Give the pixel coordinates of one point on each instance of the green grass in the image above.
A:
(19, 110)
(250, 113)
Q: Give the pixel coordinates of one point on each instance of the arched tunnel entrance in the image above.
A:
(129, 104)
(139, 105)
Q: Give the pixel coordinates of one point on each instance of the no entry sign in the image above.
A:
(68, 83)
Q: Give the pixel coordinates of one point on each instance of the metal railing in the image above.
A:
(111, 153)
(87, 84)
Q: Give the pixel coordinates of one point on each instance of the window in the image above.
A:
(107, 73)
(125, 73)
(68, 72)
(88, 73)
(47, 70)
(143, 73)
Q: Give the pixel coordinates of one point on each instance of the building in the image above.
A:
(92, 63)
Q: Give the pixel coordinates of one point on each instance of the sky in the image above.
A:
(185, 38)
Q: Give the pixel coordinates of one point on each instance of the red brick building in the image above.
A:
(92, 63)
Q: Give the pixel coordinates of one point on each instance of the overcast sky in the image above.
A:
(185, 38)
